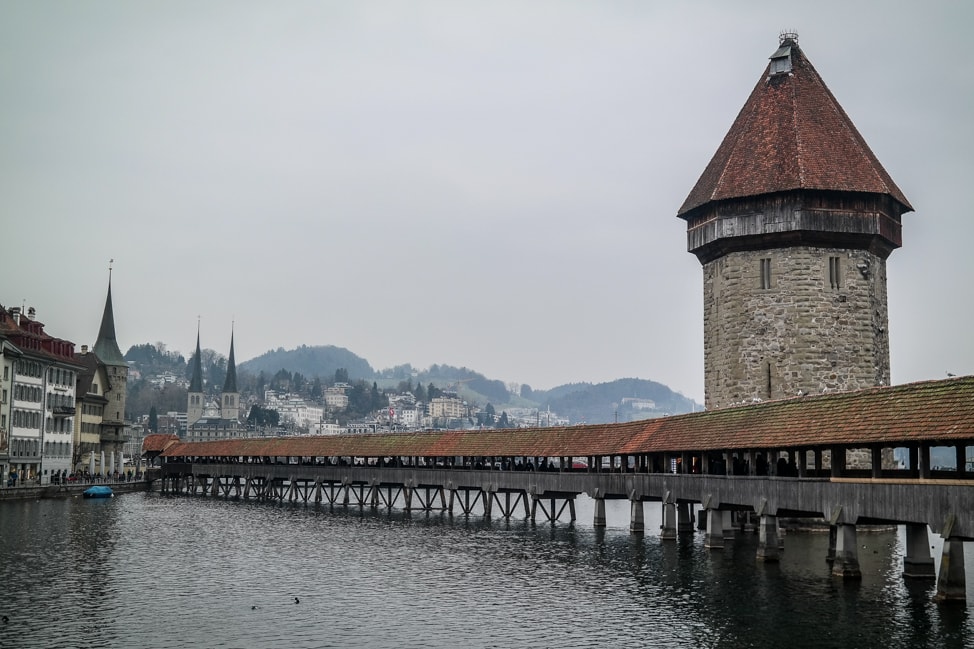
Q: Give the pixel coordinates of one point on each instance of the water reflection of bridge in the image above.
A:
(785, 458)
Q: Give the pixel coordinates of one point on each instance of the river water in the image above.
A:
(149, 571)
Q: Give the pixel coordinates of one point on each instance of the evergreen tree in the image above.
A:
(260, 417)
(153, 420)
(377, 400)
(358, 400)
(489, 414)
(215, 372)
(420, 392)
(281, 381)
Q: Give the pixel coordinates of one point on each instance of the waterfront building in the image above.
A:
(93, 382)
(40, 374)
(8, 357)
(793, 221)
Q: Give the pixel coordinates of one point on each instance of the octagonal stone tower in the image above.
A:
(793, 220)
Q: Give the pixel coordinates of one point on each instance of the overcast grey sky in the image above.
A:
(485, 184)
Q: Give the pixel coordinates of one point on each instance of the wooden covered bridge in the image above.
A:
(828, 456)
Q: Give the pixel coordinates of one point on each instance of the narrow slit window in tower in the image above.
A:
(765, 273)
(835, 278)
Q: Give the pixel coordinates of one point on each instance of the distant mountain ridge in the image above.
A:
(579, 402)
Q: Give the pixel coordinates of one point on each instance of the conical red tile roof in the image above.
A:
(792, 134)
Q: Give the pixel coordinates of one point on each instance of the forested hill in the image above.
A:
(612, 401)
(579, 402)
(320, 361)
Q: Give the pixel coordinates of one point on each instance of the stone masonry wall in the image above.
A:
(801, 335)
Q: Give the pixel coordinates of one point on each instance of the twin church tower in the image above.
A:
(793, 220)
(218, 418)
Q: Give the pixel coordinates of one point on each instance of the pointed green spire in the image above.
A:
(106, 347)
(231, 383)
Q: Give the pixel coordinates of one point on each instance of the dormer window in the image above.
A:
(781, 60)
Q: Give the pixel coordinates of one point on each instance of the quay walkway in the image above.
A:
(34, 491)
(827, 456)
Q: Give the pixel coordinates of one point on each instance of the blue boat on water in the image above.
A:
(98, 491)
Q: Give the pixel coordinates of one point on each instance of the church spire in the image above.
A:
(231, 383)
(230, 399)
(106, 347)
(196, 383)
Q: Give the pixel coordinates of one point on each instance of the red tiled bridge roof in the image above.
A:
(932, 412)
(158, 442)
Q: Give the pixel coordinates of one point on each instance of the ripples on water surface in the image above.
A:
(142, 570)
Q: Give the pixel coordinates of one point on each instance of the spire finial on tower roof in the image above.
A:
(788, 35)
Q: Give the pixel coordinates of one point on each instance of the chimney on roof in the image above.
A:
(84, 349)
(15, 313)
(31, 313)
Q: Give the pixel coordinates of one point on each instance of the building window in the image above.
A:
(765, 273)
(835, 276)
